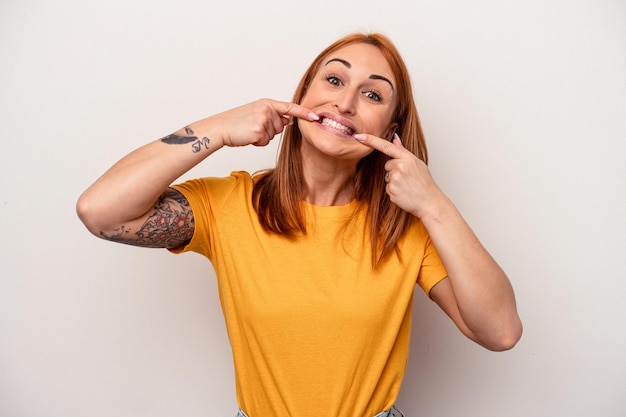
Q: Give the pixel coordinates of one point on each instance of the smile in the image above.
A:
(337, 126)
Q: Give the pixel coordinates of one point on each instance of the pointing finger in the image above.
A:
(391, 149)
(295, 110)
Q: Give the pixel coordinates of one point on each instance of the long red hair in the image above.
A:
(278, 194)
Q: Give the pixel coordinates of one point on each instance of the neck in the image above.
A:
(329, 184)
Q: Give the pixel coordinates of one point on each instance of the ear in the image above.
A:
(390, 131)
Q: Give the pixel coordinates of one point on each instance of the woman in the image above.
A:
(316, 259)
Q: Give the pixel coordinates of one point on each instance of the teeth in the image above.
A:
(335, 125)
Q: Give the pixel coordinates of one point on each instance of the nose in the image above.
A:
(345, 101)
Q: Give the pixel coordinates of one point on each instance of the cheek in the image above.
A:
(381, 123)
(316, 92)
(391, 124)
(306, 102)
(305, 127)
(310, 98)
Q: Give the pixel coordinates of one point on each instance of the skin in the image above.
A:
(131, 203)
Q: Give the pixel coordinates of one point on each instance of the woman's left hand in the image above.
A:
(477, 294)
(409, 182)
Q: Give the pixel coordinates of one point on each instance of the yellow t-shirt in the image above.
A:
(314, 330)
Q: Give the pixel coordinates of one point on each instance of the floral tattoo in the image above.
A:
(170, 225)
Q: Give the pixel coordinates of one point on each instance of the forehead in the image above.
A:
(362, 57)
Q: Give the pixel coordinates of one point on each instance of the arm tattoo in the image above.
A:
(119, 235)
(170, 225)
(196, 144)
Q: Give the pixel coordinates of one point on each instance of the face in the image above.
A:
(352, 92)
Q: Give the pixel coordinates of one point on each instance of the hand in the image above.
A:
(409, 183)
(258, 122)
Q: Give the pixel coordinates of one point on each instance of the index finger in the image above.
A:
(295, 110)
(380, 144)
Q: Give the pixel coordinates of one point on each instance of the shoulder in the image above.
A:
(415, 234)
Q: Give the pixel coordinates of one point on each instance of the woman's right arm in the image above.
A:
(132, 202)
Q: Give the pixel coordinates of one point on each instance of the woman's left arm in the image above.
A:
(477, 294)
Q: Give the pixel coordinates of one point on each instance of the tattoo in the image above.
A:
(174, 139)
(170, 225)
(117, 236)
(196, 144)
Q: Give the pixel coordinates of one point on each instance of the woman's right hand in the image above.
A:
(258, 122)
(122, 203)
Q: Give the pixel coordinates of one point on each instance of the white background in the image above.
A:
(524, 109)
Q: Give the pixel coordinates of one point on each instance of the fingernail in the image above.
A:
(360, 137)
(396, 137)
(313, 116)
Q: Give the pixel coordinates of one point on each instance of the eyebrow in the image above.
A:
(348, 65)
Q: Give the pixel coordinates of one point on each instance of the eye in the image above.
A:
(373, 95)
(334, 80)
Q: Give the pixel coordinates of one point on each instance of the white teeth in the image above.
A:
(335, 125)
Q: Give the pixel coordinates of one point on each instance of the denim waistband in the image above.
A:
(392, 412)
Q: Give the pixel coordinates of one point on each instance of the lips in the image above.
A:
(337, 123)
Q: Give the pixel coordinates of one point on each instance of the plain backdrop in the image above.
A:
(524, 108)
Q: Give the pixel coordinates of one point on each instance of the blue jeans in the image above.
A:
(392, 412)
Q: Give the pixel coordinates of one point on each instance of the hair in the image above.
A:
(278, 194)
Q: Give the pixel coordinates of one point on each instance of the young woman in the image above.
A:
(318, 258)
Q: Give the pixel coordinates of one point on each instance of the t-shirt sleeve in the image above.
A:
(206, 197)
(432, 270)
